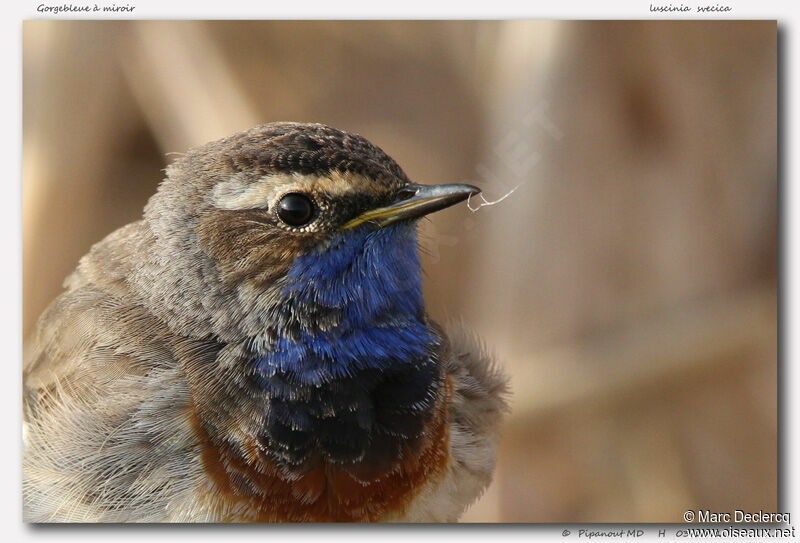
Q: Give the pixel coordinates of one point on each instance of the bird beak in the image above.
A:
(414, 201)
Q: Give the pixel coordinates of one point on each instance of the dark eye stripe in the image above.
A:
(295, 209)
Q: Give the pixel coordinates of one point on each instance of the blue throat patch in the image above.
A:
(356, 391)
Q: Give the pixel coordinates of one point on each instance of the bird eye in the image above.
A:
(295, 209)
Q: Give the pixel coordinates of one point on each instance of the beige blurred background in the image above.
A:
(628, 284)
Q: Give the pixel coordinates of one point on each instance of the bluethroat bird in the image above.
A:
(256, 349)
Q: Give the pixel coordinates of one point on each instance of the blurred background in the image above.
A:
(628, 284)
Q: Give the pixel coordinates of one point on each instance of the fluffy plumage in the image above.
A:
(211, 362)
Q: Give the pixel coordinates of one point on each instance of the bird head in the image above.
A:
(288, 215)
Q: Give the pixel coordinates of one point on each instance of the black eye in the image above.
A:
(295, 209)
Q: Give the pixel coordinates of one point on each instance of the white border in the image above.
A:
(10, 224)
